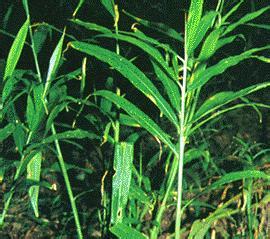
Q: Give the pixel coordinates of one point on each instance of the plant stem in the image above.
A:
(57, 145)
(182, 142)
(173, 172)
(68, 186)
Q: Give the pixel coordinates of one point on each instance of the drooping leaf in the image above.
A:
(122, 164)
(195, 153)
(149, 49)
(247, 18)
(160, 27)
(16, 50)
(91, 26)
(70, 134)
(201, 78)
(222, 98)
(232, 10)
(130, 72)
(33, 173)
(201, 227)
(139, 116)
(261, 26)
(239, 175)
(123, 231)
(227, 40)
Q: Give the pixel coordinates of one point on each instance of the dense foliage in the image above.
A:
(129, 120)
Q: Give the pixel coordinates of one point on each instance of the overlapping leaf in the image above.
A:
(139, 116)
(132, 73)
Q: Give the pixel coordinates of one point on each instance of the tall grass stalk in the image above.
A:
(57, 145)
(182, 141)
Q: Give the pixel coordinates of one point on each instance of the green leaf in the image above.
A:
(35, 111)
(239, 175)
(30, 112)
(171, 88)
(234, 9)
(261, 26)
(81, 2)
(204, 26)
(222, 98)
(40, 36)
(193, 22)
(70, 134)
(123, 231)
(128, 121)
(53, 114)
(122, 164)
(19, 137)
(227, 40)
(203, 77)
(200, 227)
(153, 52)
(91, 26)
(16, 50)
(139, 116)
(54, 64)
(6, 131)
(160, 27)
(132, 73)
(195, 153)
(33, 173)
(137, 193)
(109, 5)
(248, 17)
(210, 45)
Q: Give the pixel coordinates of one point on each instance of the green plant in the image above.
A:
(36, 128)
(184, 76)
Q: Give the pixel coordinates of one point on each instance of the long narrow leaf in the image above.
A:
(123, 231)
(160, 27)
(203, 77)
(171, 88)
(239, 175)
(247, 18)
(132, 73)
(153, 52)
(139, 116)
(54, 64)
(122, 164)
(16, 50)
(222, 98)
(33, 173)
(6, 131)
(194, 18)
(204, 26)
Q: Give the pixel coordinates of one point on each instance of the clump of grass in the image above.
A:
(183, 74)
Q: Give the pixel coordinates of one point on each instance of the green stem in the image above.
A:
(172, 176)
(57, 145)
(182, 142)
(68, 186)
